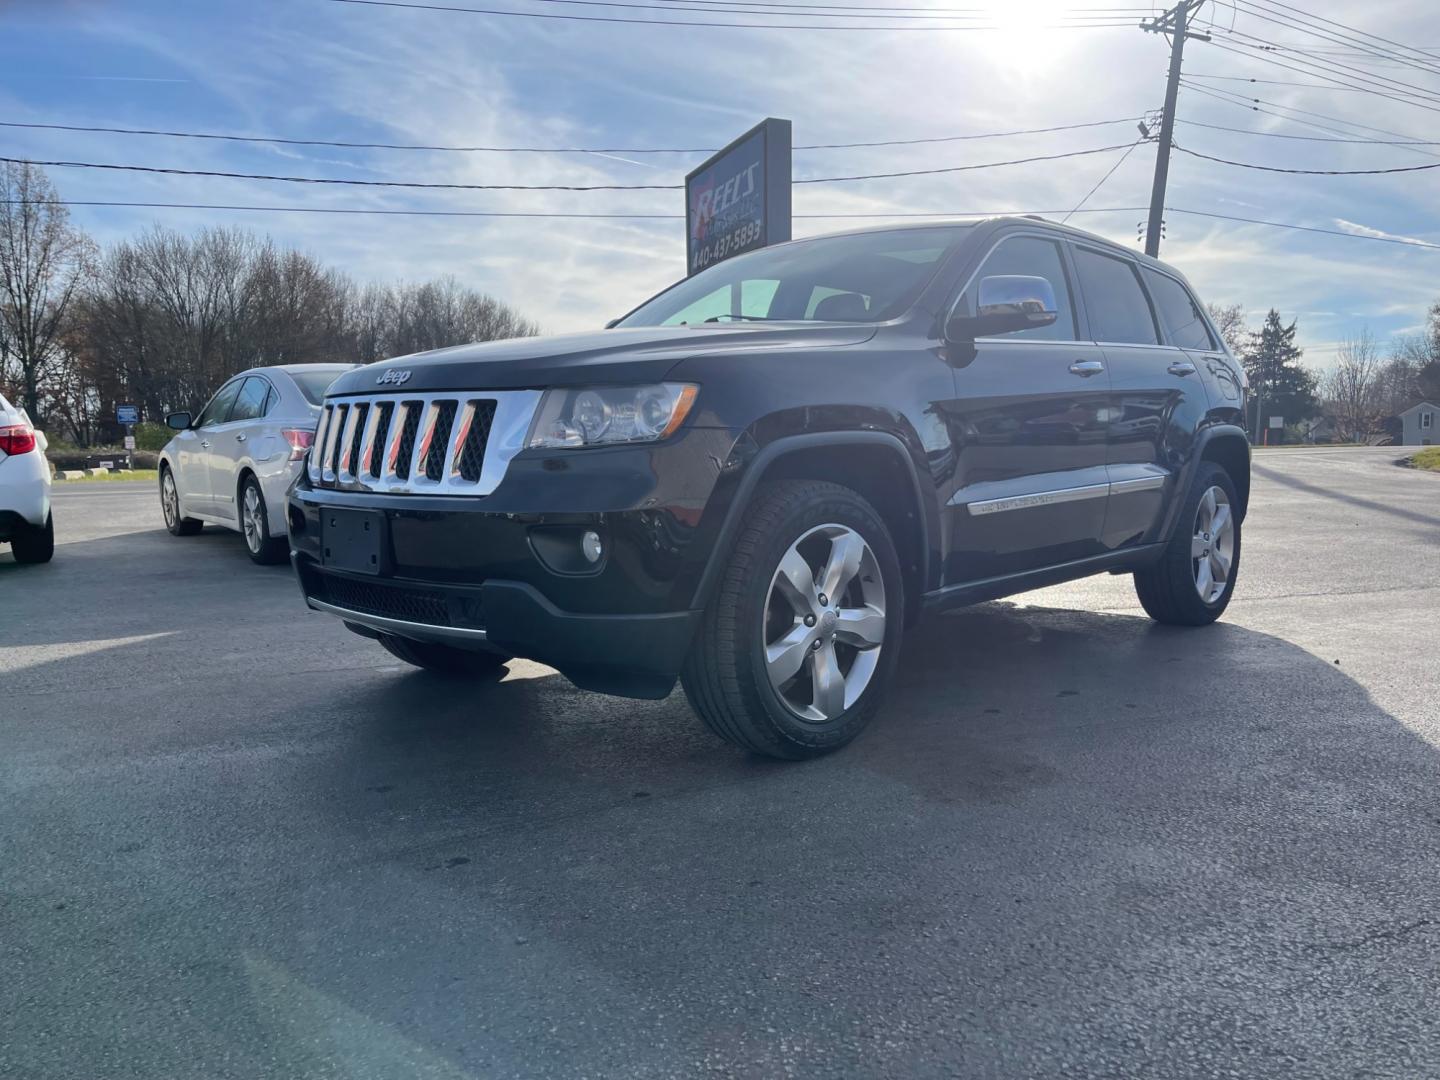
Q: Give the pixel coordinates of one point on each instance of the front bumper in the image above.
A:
(506, 572)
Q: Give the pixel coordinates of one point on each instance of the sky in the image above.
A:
(321, 69)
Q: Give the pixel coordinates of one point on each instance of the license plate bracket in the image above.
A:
(352, 540)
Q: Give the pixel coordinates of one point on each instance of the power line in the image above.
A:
(1406, 241)
(1403, 240)
(535, 187)
(1101, 182)
(1246, 103)
(1353, 30)
(692, 22)
(1402, 99)
(539, 149)
(1305, 138)
(1290, 23)
(1274, 82)
(536, 213)
(1330, 68)
(736, 7)
(1307, 172)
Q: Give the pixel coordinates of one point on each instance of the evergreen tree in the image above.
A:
(1279, 384)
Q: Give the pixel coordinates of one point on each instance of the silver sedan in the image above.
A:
(232, 464)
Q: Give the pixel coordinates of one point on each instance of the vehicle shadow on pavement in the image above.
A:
(1072, 837)
(1324, 492)
(1073, 843)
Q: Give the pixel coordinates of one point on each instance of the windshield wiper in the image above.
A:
(743, 318)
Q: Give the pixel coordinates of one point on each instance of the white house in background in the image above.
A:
(1421, 425)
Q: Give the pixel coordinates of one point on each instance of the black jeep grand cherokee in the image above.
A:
(759, 478)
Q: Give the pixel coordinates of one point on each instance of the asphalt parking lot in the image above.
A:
(237, 841)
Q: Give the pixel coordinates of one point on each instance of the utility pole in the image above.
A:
(1173, 23)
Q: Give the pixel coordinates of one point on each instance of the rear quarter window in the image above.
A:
(1179, 312)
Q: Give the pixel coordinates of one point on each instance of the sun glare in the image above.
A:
(1032, 31)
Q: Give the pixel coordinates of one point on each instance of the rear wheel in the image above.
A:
(794, 651)
(255, 526)
(34, 543)
(433, 656)
(1192, 582)
(170, 504)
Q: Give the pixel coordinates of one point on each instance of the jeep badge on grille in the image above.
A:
(393, 377)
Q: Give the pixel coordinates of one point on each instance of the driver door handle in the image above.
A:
(1086, 368)
(204, 444)
(1181, 367)
(240, 437)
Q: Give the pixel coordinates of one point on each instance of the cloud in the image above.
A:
(380, 75)
(1366, 230)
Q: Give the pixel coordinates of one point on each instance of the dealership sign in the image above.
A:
(739, 199)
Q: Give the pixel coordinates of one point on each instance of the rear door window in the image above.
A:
(1029, 256)
(1116, 304)
(250, 403)
(1179, 312)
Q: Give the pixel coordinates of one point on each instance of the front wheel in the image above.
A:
(446, 659)
(255, 526)
(1192, 582)
(35, 543)
(795, 649)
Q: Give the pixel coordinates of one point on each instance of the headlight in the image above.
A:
(604, 415)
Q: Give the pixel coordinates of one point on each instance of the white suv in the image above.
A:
(25, 519)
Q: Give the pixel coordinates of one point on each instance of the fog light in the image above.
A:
(590, 545)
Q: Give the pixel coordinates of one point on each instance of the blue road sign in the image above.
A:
(127, 414)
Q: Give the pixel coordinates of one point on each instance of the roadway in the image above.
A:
(237, 841)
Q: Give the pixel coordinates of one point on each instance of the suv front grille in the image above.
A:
(447, 443)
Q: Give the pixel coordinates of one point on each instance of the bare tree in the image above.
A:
(42, 263)
(1353, 389)
(1230, 321)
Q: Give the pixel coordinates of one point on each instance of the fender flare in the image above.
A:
(1203, 439)
(773, 451)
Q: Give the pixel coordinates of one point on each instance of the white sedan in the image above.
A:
(232, 465)
(25, 519)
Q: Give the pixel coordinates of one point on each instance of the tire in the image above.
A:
(445, 659)
(755, 619)
(170, 507)
(1170, 589)
(264, 549)
(34, 543)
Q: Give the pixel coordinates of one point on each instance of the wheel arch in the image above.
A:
(874, 464)
(1227, 446)
(1231, 451)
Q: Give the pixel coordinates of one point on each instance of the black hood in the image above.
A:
(639, 355)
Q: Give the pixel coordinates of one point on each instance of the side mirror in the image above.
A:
(1006, 303)
(180, 421)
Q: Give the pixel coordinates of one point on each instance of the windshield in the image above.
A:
(862, 277)
(313, 384)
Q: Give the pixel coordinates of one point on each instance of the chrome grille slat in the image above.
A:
(344, 469)
(455, 443)
(317, 445)
(332, 438)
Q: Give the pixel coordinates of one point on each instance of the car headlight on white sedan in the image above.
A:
(608, 415)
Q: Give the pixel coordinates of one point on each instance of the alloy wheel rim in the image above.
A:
(250, 518)
(169, 501)
(824, 622)
(1212, 547)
